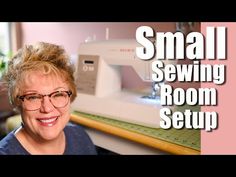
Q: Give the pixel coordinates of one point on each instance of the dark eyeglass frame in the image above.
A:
(22, 97)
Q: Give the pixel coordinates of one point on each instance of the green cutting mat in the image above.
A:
(185, 137)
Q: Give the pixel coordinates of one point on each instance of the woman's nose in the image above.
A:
(46, 105)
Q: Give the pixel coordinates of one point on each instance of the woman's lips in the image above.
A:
(48, 122)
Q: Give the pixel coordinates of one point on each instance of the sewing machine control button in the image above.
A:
(85, 68)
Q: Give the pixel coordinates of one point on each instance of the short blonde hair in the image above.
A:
(45, 57)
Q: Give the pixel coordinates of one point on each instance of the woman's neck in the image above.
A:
(37, 146)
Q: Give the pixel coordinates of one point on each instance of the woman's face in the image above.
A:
(47, 122)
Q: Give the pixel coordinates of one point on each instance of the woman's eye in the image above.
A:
(58, 95)
(32, 97)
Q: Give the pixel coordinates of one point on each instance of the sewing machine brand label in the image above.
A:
(87, 74)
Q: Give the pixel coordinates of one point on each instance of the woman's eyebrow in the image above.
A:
(59, 88)
(30, 91)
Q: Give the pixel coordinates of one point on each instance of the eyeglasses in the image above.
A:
(33, 101)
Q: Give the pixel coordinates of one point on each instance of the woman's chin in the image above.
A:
(49, 134)
(49, 137)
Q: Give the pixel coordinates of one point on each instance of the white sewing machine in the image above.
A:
(98, 79)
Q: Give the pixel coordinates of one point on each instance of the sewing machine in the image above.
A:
(99, 83)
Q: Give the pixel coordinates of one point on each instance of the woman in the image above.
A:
(41, 86)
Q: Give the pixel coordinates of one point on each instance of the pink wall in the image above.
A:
(222, 140)
(70, 35)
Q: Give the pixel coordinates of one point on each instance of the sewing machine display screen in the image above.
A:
(87, 74)
(88, 62)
